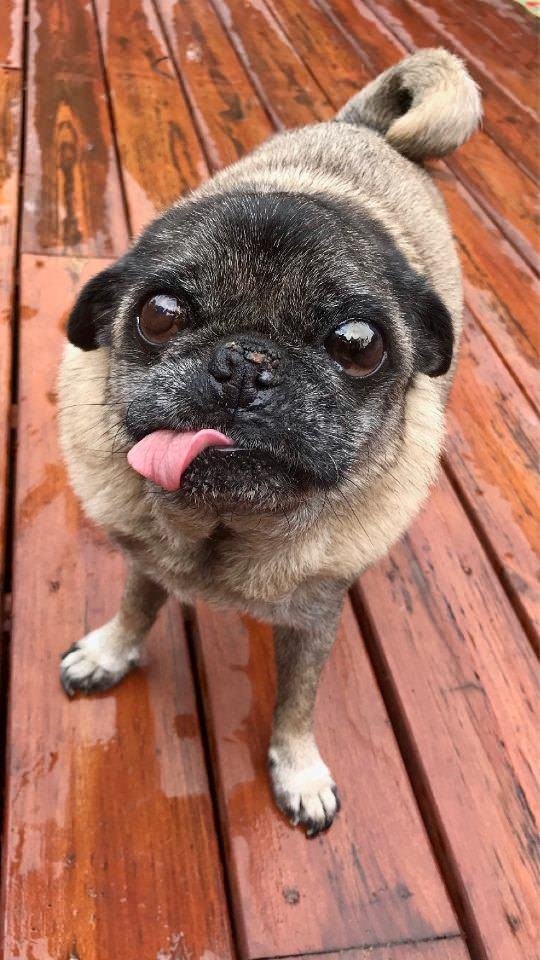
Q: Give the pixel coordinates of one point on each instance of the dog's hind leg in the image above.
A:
(105, 655)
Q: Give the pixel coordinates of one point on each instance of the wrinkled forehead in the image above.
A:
(263, 255)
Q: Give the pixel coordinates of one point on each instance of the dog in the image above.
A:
(252, 398)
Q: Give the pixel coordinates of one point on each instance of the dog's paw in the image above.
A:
(303, 789)
(96, 662)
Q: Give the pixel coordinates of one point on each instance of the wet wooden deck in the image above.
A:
(138, 824)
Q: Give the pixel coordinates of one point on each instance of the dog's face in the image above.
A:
(290, 323)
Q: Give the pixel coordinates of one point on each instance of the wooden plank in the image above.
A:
(273, 64)
(506, 122)
(11, 36)
(10, 121)
(110, 848)
(501, 291)
(266, 51)
(160, 154)
(504, 191)
(492, 452)
(461, 683)
(73, 200)
(226, 109)
(372, 875)
(435, 950)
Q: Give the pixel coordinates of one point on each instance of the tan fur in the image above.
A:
(270, 556)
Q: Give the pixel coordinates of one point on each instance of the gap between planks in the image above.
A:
(370, 948)
(7, 508)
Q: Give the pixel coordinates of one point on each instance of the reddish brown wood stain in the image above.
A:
(11, 34)
(443, 950)
(110, 849)
(227, 111)
(72, 199)
(160, 153)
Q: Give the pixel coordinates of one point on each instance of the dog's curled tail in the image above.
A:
(426, 105)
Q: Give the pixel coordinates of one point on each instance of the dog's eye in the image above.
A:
(357, 346)
(160, 318)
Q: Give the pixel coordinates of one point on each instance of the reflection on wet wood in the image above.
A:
(110, 844)
(227, 110)
(160, 154)
(501, 291)
(73, 201)
(463, 682)
(500, 41)
(368, 889)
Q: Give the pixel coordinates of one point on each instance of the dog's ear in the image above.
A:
(434, 334)
(90, 320)
(430, 323)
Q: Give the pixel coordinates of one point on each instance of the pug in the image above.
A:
(252, 398)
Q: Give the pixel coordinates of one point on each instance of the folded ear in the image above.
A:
(434, 334)
(90, 320)
(429, 321)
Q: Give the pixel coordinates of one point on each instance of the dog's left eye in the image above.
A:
(160, 318)
(357, 346)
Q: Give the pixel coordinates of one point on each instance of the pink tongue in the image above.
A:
(164, 456)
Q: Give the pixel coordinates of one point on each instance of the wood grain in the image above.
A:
(501, 291)
(160, 154)
(462, 685)
(227, 111)
(110, 848)
(493, 437)
(73, 199)
(360, 884)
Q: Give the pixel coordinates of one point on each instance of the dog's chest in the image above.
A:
(221, 568)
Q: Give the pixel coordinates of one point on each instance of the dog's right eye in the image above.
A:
(160, 318)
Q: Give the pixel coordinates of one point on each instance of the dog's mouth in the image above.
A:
(206, 466)
(164, 456)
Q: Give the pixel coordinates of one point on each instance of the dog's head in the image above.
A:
(290, 325)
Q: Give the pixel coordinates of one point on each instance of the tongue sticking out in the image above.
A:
(164, 456)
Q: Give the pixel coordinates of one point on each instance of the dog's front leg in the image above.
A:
(105, 655)
(303, 785)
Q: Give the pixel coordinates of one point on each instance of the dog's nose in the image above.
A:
(244, 371)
